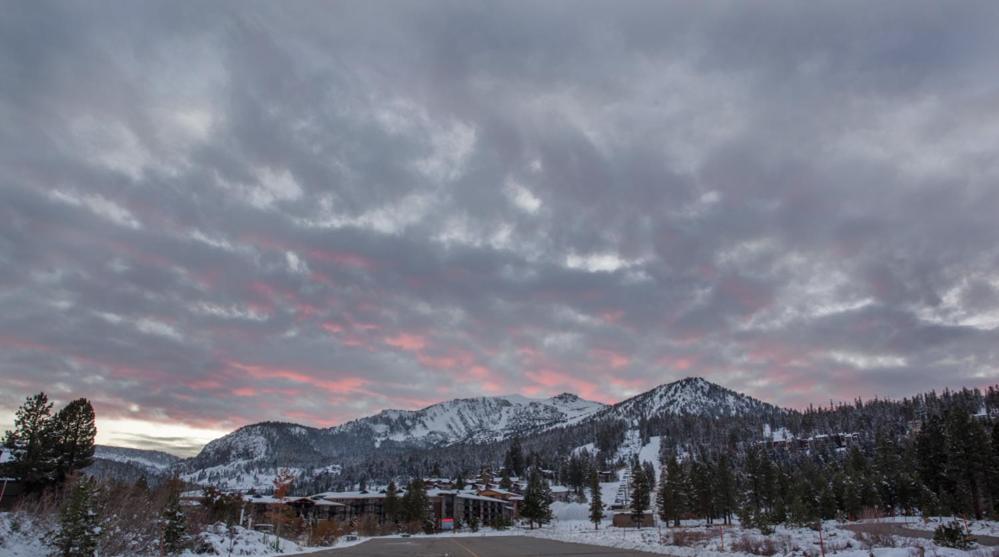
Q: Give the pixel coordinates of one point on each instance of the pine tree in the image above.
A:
(537, 499)
(650, 475)
(459, 482)
(416, 505)
(931, 455)
(596, 503)
(31, 443)
(701, 490)
(639, 494)
(994, 467)
(889, 473)
(725, 496)
(173, 529)
(73, 433)
(965, 472)
(391, 504)
(78, 529)
(505, 482)
(671, 492)
(515, 458)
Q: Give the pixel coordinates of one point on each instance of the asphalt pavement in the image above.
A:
(496, 546)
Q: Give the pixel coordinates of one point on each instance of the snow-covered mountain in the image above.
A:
(475, 420)
(252, 455)
(691, 396)
(153, 460)
(127, 464)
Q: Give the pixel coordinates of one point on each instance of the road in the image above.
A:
(900, 530)
(497, 546)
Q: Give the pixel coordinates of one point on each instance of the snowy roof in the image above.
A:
(479, 498)
(353, 495)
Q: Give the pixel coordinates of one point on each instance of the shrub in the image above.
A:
(754, 546)
(687, 538)
(953, 534)
(325, 532)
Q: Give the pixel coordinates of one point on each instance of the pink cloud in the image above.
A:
(344, 258)
(613, 359)
(407, 341)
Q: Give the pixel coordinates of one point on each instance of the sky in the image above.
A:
(214, 214)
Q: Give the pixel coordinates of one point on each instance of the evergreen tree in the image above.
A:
(536, 507)
(596, 503)
(889, 472)
(73, 433)
(505, 482)
(173, 529)
(416, 505)
(31, 443)
(965, 472)
(485, 477)
(994, 467)
(650, 475)
(391, 504)
(931, 454)
(639, 494)
(672, 488)
(515, 458)
(78, 529)
(725, 495)
(459, 482)
(701, 490)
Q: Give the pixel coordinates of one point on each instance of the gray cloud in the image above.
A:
(206, 212)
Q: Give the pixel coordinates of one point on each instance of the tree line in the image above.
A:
(45, 449)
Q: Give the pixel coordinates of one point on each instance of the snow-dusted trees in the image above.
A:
(173, 529)
(639, 494)
(46, 448)
(73, 433)
(31, 443)
(514, 459)
(536, 507)
(391, 504)
(672, 490)
(78, 528)
(415, 506)
(596, 500)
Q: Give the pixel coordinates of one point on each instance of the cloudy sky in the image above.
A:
(216, 214)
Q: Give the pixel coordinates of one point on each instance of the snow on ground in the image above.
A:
(22, 537)
(245, 542)
(715, 542)
(976, 527)
(650, 453)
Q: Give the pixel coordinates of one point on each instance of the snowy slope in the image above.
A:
(691, 396)
(155, 460)
(474, 419)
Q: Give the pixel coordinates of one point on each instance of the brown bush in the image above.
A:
(754, 546)
(326, 532)
(686, 538)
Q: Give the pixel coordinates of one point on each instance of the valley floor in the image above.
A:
(891, 537)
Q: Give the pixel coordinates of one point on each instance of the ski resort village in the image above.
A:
(687, 468)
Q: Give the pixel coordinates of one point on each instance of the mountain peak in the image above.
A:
(566, 397)
(691, 396)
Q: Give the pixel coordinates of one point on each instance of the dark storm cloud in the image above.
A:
(206, 213)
